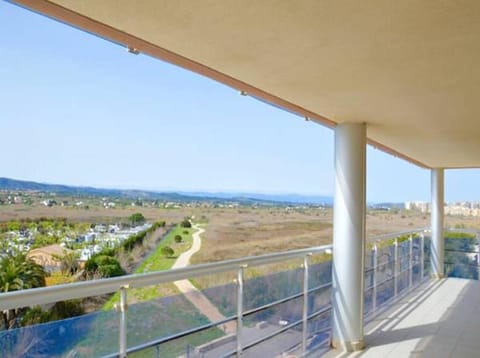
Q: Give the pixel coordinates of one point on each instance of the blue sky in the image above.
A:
(79, 110)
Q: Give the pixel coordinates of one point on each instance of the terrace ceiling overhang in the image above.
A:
(409, 69)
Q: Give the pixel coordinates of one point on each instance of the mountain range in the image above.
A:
(244, 198)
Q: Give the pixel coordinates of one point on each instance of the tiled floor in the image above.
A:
(440, 319)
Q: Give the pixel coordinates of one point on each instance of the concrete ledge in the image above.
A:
(437, 276)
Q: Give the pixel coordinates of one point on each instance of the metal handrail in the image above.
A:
(173, 337)
(37, 296)
(284, 300)
(279, 331)
(462, 251)
(43, 295)
(51, 294)
(400, 233)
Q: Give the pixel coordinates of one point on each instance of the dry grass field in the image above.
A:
(245, 231)
(94, 214)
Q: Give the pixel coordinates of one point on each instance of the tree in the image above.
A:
(136, 219)
(17, 272)
(104, 265)
(186, 223)
(60, 310)
(167, 251)
(178, 238)
(68, 262)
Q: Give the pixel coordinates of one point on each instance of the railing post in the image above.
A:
(305, 304)
(395, 268)
(410, 261)
(422, 255)
(123, 322)
(374, 284)
(240, 275)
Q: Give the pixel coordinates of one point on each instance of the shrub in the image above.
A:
(157, 224)
(60, 310)
(106, 266)
(66, 309)
(186, 223)
(178, 238)
(136, 219)
(167, 251)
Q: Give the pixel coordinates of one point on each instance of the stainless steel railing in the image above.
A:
(403, 256)
(462, 253)
(406, 255)
(123, 284)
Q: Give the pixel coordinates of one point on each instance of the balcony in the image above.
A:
(396, 85)
(438, 319)
(264, 306)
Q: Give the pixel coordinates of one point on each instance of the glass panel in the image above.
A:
(320, 279)
(285, 342)
(268, 283)
(385, 291)
(204, 300)
(402, 281)
(271, 320)
(427, 254)
(87, 335)
(462, 256)
(368, 301)
(319, 333)
(209, 343)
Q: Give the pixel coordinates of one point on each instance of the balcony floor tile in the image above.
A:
(438, 319)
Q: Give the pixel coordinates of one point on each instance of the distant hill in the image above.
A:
(281, 198)
(244, 198)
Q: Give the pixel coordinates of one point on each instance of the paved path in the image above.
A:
(196, 297)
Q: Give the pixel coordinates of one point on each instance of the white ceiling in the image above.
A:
(410, 69)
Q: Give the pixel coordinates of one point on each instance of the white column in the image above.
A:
(349, 236)
(437, 242)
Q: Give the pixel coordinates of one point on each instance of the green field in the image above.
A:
(150, 317)
(156, 261)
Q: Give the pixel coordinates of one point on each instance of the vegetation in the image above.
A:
(390, 242)
(157, 261)
(137, 239)
(137, 219)
(104, 266)
(458, 235)
(107, 264)
(186, 223)
(69, 263)
(178, 238)
(461, 255)
(17, 272)
(60, 310)
(167, 251)
(162, 317)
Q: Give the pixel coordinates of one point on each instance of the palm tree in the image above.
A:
(68, 262)
(17, 272)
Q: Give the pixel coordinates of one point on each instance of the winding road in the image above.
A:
(195, 296)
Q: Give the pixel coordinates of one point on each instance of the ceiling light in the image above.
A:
(133, 50)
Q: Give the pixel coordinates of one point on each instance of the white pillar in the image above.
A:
(437, 242)
(349, 236)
